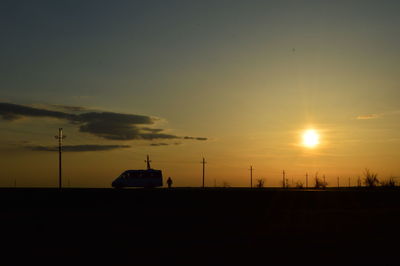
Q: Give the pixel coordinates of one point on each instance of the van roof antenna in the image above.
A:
(148, 162)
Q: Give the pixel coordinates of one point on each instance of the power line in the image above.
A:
(251, 176)
(283, 178)
(60, 138)
(204, 163)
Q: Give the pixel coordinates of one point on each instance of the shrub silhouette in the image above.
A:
(299, 184)
(370, 179)
(388, 183)
(225, 184)
(318, 182)
(260, 183)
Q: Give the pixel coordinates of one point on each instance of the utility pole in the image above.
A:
(306, 180)
(349, 181)
(204, 163)
(337, 182)
(283, 179)
(60, 138)
(251, 176)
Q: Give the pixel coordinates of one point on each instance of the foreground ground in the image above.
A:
(201, 227)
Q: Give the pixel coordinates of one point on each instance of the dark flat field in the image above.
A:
(201, 227)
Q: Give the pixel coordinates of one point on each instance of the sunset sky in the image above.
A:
(236, 82)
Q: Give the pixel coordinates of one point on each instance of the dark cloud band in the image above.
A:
(9, 111)
(107, 125)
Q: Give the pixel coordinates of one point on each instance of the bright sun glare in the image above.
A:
(310, 138)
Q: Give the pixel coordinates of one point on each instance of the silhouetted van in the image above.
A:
(139, 178)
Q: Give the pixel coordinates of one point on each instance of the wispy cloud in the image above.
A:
(195, 138)
(107, 125)
(159, 144)
(378, 115)
(369, 116)
(78, 148)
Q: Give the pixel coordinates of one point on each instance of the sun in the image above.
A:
(310, 138)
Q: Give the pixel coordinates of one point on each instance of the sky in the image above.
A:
(235, 82)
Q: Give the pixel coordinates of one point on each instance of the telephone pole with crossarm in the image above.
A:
(60, 138)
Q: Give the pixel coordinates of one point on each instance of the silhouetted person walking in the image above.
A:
(169, 182)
